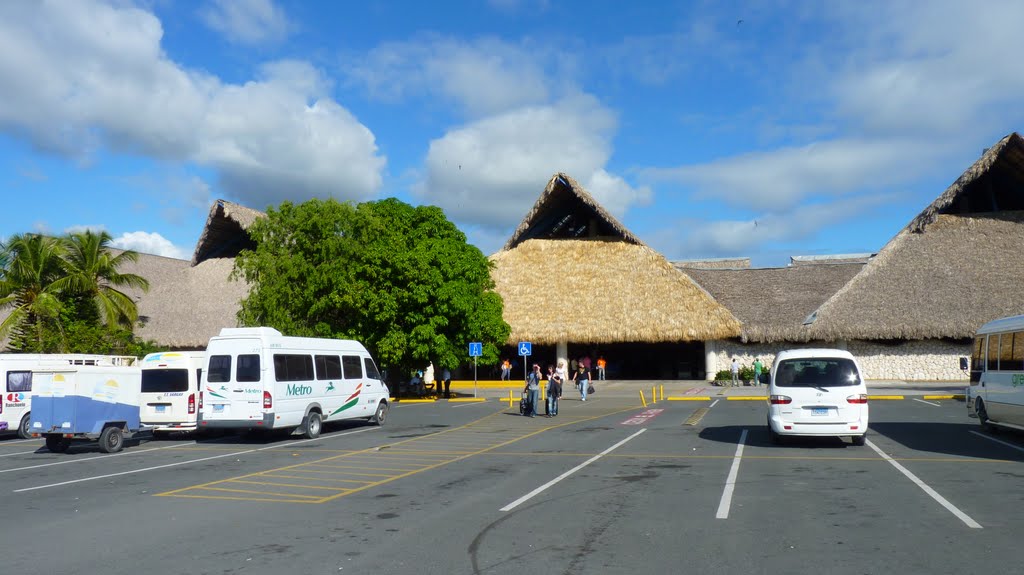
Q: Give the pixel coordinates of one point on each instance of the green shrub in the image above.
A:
(724, 375)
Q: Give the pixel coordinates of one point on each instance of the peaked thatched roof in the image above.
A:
(185, 304)
(224, 235)
(945, 282)
(566, 210)
(951, 269)
(603, 291)
(772, 303)
(993, 183)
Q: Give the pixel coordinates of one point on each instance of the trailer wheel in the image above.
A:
(313, 425)
(381, 414)
(23, 428)
(57, 444)
(111, 440)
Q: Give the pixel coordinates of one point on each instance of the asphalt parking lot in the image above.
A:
(608, 486)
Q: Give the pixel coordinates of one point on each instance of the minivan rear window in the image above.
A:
(164, 380)
(219, 370)
(817, 372)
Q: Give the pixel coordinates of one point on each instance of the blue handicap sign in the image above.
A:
(525, 348)
(476, 349)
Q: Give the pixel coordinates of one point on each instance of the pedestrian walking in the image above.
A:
(446, 377)
(735, 372)
(758, 368)
(533, 389)
(554, 392)
(582, 380)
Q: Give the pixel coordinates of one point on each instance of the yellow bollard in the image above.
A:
(654, 394)
(663, 393)
(642, 400)
(510, 404)
(543, 393)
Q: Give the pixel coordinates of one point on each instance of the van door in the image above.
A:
(233, 388)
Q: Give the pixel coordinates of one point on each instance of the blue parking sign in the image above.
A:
(476, 349)
(525, 348)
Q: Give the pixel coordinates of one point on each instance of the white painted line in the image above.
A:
(289, 444)
(928, 402)
(934, 494)
(80, 460)
(18, 453)
(17, 441)
(713, 403)
(541, 489)
(999, 441)
(730, 482)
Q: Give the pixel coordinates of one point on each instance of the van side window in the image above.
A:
(993, 353)
(978, 359)
(371, 369)
(293, 367)
(1012, 359)
(19, 381)
(248, 367)
(353, 366)
(220, 369)
(328, 367)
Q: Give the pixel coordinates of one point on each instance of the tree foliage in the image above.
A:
(63, 295)
(401, 279)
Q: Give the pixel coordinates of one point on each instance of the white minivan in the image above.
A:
(995, 395)
(170, 390)
(256, 378)
(817, 392)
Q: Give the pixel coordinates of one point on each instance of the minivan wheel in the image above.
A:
(23, 428)
(979, 407)
(313, 425)
(381, 414)
(776, 438)
(859, 439)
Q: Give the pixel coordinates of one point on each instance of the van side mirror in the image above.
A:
(964, 365)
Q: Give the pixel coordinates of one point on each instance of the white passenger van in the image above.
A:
(16, 373)
(170, 390)
(817, 392)
(995, 395)
(256, 378)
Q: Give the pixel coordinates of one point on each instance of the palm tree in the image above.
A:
(91, 270)
(29, 285)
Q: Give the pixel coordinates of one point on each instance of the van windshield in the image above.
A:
(817, 372)
(164, 380)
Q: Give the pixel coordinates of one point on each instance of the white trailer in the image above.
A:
(256, 378)
(86, 402)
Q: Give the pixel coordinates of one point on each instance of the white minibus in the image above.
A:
(16, 373)
(170, 390)
(256, 378)
(995, 395)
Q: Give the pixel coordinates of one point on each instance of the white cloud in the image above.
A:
(82, 76)
(491, 171)
(247, 21)
(150, 243)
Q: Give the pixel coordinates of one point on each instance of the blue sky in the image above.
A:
(710, 129)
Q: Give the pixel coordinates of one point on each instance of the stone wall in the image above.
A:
(919, 360)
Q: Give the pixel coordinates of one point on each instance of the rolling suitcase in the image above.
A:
(524, 404)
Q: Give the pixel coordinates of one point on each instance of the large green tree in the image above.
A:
(401, 279)
(92, 270)
(33, 266)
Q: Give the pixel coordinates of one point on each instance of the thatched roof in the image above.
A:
(993, 183)
(565, 210)
(830, 259)
(951, 269)
(772, 303)
(186, 304)
(603, 291)
(945, 282)
(713, 264)
(224, 235)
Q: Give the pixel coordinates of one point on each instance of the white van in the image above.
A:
(170, 390)
(995, 395)
(256, 378)
(817, 392)
(16, 375)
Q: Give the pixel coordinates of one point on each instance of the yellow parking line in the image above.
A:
(292, 485)
(400, 401)
(747, 398)
(259, 492)
(947, 396)
(885, 397)
(317, 478)
(467, 399)
(689, 398)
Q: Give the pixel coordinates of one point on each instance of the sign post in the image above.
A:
(525, 350)
(476, 349)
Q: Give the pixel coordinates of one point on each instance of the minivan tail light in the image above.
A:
(191, 403)
(859, 398)
(268, 401)
(200, 400)
(780, 400)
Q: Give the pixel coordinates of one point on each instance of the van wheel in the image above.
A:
(979, 407)
(775, 437)
(381, 414)
(111, 440)
(859, 439)
(313, 425)
(57, 444)
(23, 428)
